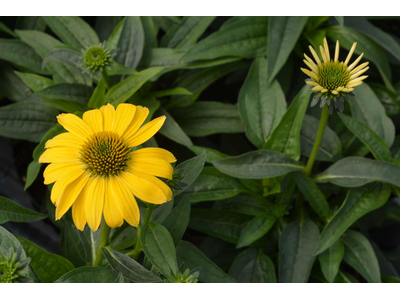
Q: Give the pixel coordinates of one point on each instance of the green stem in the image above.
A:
(105, 231)
(138, 247)
(107, 79)
(321, 128)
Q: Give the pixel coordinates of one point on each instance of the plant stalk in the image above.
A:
(107, 79)
(321, 128)
(104, 233)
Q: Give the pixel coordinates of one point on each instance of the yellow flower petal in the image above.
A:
(163, 187)
(55, 171)
(350, 54)
(140, 116)
(154, 153)
(66, 139)
(94, 205)
(315, 55)
(108, 112)
(314, 69)
(312, 83)
(146, 132)
(75, 125)
(94, 119)
(311, 62)
(70, 194)
(354, 84)
(355, 62)
(127, 202)
(151, 166)
(78, 208)
(123, 117)
(309, 73)
(60, 154)
(355, 75)
(317, 88)
(326, 47)
(359, 68)
(143, 189)
(323, 54)
(112, 211)
(337, 49)
(70, 174)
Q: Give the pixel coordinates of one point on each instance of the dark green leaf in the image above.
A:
(130, 269)
(257, 165)
(48, 267)
(89, 275)
(256, 229)
(253, 266)
(98, 96)
(357, 203)
(35, 82)
(387, 98)
(7, 242)
(150, 33)
(330, 260)
(296, 251)
(32, 172)
(191, 257)
(191, 170)
(283, 33)
(11, 211)
(123, 237)
(11, 86)
(65, 56)
(212, 154)
(261, 105)
(172, 130)
(360, 255)
(170, 92)
(245, 204)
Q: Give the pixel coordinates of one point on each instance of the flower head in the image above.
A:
(333, 81)
(13, 268)
(96, 170)
(95, 58)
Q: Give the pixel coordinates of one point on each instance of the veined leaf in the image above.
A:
(256, 229)
(98, 96)
(35, 82)
(89, 275)
(191, 170)
(387, 98)
(212, 154)
(330, 260)
(66, 56)
(11, 211)
(172, 130)
(357, 203)
(252, 205)
(11, 86)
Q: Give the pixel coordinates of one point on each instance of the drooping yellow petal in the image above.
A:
(123, 117)
(354, 84)
(357, 79)
(313, 83)
(146, 132)
(359, 68)
(311, 61)
(112, 212)
(335, 92)
(127, 202)
(350, 54)
(94, 119)
(309, 73)
(143, 189)
(165, 188)
(323, 54)
(60, 154)
(324, 91)
(347, 90)
(355, 75)
(71, 173)
(151, 166)
(340, 88)
(95, 202)
(65, 139)
(75, 125)
(55, 171)
(328, 56)
(140, 116)
(314, 69)
(317, 88)
(154, 153)
(355, 62)
(315, 55)
(78, 208)
(337, 51)
(71, 192)
(108, 112)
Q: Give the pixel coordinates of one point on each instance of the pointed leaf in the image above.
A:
(11, 211)
(256, 229)
(330, 260)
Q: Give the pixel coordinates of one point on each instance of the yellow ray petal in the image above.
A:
(163, 187)
(60, 154)
(324, 91)
(123, 117)
(357, 79)
(127, 202)
(143, 189)
(78, 208)
(355, 75)
(313, 83)
(354, 84)
(151, 166)
(55, 171)
(337, 49)
(154, 152)
(355, 62)
(317, 88)
(309, 73)
(108, 112)
(75, 125)
(94, 119)
(323, 54)
(70, 174)
(140, 116)
(65, 139)
(146, 132)
(328, 56)
(71, 192)
(311, 61)
(315, 55)
(347, 90)
(359, 68)
(350, 54)
(112, 212)
(340, 88)
(335, 92)
(314, 69)
(95, 202)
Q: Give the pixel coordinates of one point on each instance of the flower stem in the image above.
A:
(321, 128)
(107, 79)
(138, 247)
(105, 231)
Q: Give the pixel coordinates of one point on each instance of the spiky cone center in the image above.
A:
(333, 75)
(96, 58)
(7, 272)
(105, 154)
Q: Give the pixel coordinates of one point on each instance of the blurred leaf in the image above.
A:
(296, 251)
(35, 82)
(30, 23)
(11, 86)
(9, 241)
(256, 229)
(123, 237)
(172, 130)
(48, 267)
(330, 148)
(31, 173)
(159, 248)
(261, 105)
(390, 279)
(191, 170)
(11, 211)
(150, 33)
(170, 92)
(212, 154)
(387, 97)
(185, 34)
(66, 56)
(130, 269)
(191, 257)
(97, 98)
(283, 33)
(330, 260)
(252, 205)
(105, 25)
(244, 38)
(73, 31)
(360, 255)
(89, 275)
(208, 117)
(286, 136)
(258, 164)
(27, 120)
(178, 219)
(340, 21)
(7, 30)
(253, 266)
(357, 203)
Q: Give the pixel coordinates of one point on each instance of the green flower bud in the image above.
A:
(13, 269)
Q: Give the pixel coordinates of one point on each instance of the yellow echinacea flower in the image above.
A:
(332, 80)
(95, 171)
